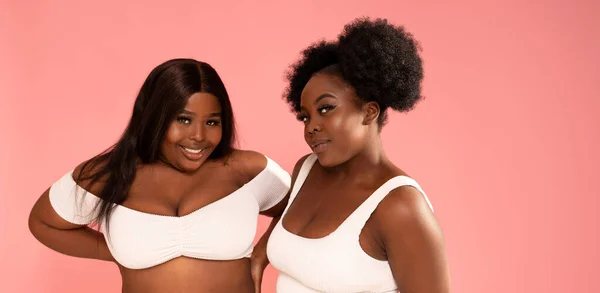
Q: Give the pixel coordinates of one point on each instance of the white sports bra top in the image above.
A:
(335, 263)
(222, 230)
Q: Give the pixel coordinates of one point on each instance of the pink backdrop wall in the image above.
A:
(505, 143)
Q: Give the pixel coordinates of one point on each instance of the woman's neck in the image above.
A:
(365, 165)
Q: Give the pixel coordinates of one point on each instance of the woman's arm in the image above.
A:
(413, 242)
(259, 258)
(64, 237)
(66, 230)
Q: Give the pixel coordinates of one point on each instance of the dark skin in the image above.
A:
(182, 182)
(260, 253)
(351, 165)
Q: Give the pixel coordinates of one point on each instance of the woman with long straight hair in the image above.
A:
(176, 204)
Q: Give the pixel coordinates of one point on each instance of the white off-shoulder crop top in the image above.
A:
(222, 230)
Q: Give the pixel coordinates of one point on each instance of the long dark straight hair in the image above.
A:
(163, 95)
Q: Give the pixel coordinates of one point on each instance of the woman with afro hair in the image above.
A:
(354, 221)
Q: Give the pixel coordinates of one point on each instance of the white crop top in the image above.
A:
(335, 263)
(222, 230)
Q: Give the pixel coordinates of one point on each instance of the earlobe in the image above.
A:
(371, 110)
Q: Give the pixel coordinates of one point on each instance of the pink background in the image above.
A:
(505, 143)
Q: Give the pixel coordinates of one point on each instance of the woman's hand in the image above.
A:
(258, 263)
(259, 260)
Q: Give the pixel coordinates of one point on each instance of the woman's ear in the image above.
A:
(371, 112)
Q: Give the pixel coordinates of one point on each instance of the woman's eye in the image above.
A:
(325, 109)
(302, 118)
(184, 120)
(213, 123)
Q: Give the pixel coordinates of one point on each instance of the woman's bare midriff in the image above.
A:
(187, 275)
